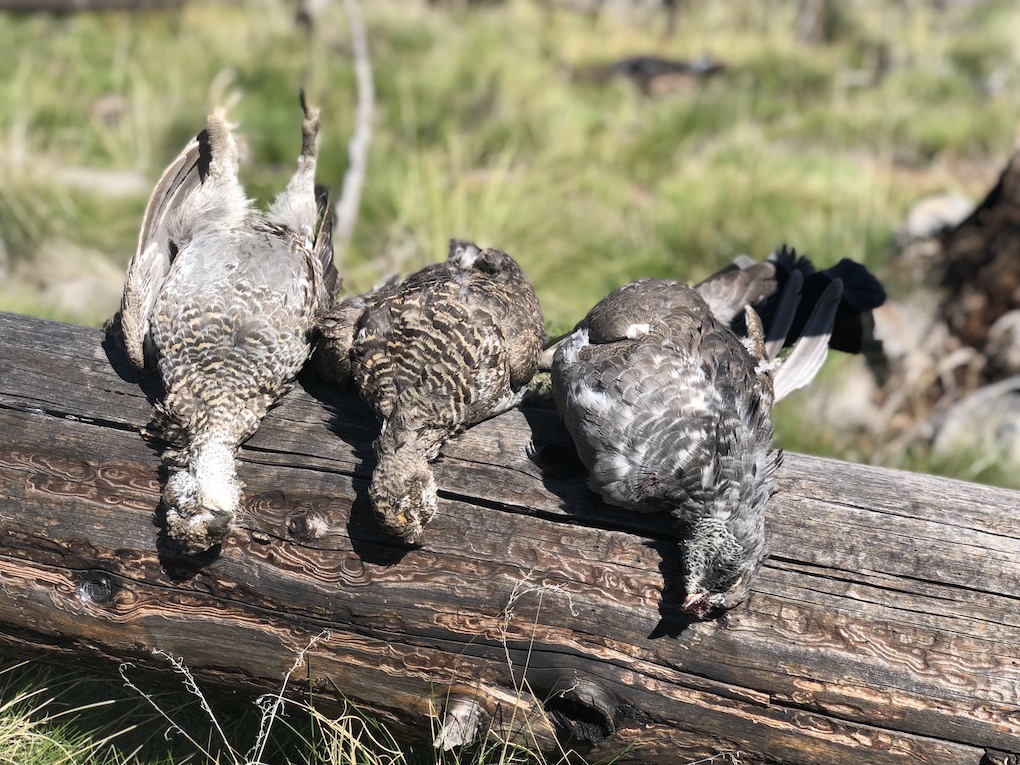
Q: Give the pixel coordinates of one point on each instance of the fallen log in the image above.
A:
(884, 628)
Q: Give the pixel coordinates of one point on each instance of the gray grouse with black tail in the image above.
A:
(452, 345)
(670, 408)
(222, 297)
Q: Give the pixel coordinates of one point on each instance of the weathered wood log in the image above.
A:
(884, 628)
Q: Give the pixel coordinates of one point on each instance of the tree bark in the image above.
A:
(884, 627)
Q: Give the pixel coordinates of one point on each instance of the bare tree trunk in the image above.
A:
(357, 148)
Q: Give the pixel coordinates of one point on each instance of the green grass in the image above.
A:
(482, 132)
(53, 716)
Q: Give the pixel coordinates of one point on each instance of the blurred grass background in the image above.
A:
(484, 131)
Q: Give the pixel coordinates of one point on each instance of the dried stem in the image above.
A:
(357, 148)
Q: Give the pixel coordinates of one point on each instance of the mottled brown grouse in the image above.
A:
(669, 408)
(221, 297)
(453, 344)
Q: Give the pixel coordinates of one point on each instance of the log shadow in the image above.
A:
(353, 422)
(179, 565)
(149, 382)
(673, 620)
(553, 452)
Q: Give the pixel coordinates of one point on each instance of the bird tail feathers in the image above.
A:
(811, 349)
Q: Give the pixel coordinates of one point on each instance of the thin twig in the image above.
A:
(173, 724)
(522, 587)
(273, 702)
(357, 148)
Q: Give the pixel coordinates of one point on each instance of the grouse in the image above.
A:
(669, 407)
(450, 346)
(221, 297)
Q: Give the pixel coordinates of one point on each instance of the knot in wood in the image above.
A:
(306, 525)
(95, 587)
(583, 709)
(995, 757)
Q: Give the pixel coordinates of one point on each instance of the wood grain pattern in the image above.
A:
(884, 628)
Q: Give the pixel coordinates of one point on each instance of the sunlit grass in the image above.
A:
(589, 186)
(54, 716)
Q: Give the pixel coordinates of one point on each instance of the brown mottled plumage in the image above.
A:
(669, 408)
(453, 344)
(222, 297)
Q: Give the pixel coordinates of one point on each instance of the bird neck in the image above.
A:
(215, 470)
(403, 491)
(407, 436)
(402, 467)
(714, 538)
(712, 557)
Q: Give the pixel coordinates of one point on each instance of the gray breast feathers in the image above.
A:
(222, 297)
(667, 392)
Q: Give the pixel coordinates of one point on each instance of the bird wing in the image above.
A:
(741, 283)
(323, 250)
(642, 417)
(854, 330)
(783, 316)
(154, 255)
(336, 329)
(302, 210)
(383, 361)
(504, 305)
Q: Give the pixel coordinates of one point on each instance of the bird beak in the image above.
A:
(696, 603)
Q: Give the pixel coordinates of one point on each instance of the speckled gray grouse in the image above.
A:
(670, 408)
(452, 345)
(221, 296)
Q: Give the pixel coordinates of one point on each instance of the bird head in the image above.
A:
(469, 257)
(701, 602)
(720, 566)
(403, 494)
(202, 498)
